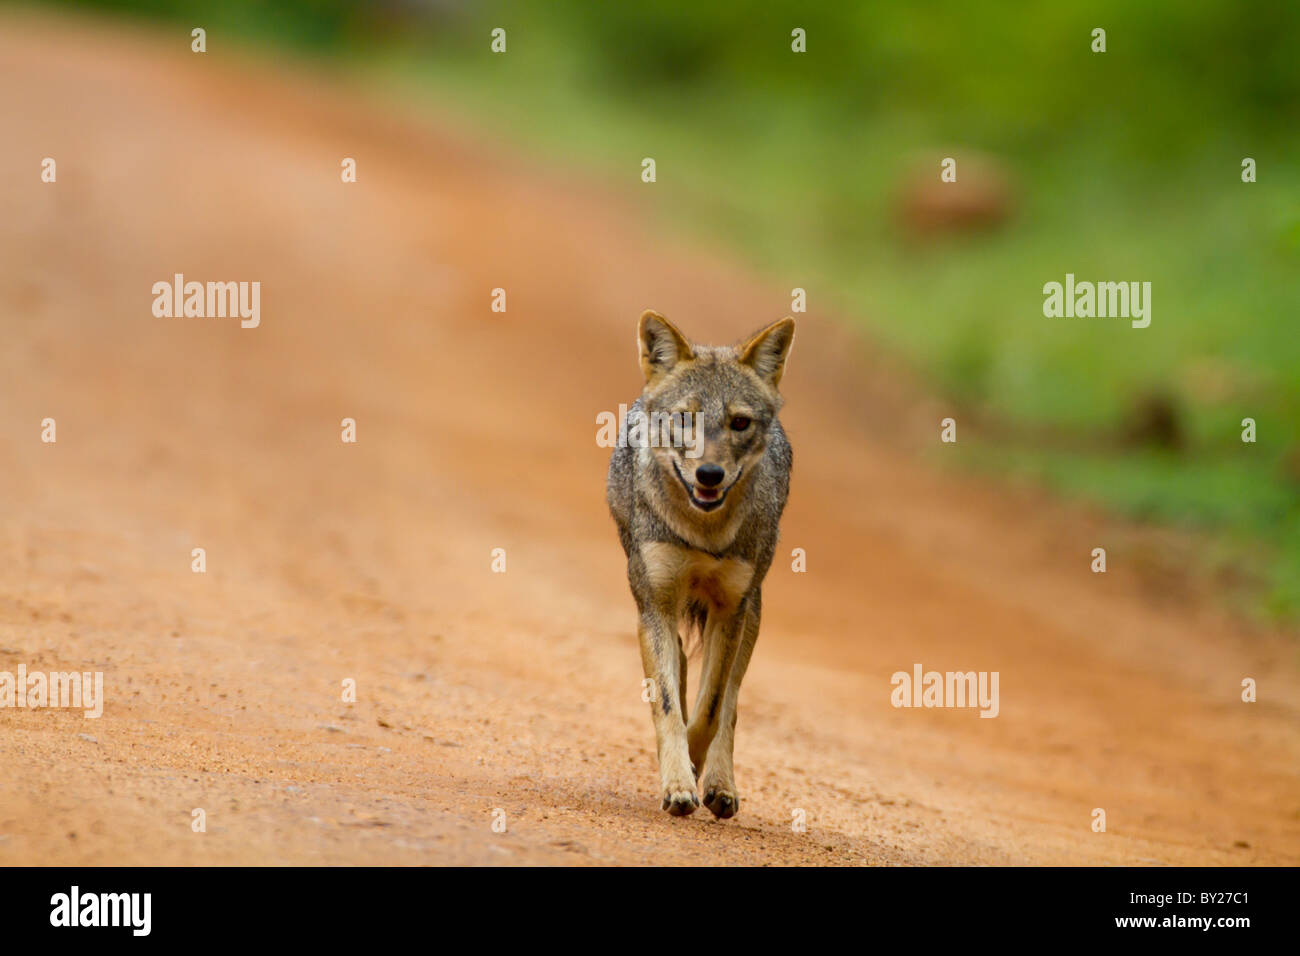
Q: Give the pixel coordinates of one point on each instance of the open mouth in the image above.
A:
(706, 499)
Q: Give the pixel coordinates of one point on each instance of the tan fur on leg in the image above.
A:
(661, 660)
(718, 783)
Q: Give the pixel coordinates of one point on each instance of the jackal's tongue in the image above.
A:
(706, 494)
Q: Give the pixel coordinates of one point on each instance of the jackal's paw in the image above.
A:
(721, 800)
(679, 799)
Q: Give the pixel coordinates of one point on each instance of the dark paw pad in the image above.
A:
(680, 804)
(722, 805)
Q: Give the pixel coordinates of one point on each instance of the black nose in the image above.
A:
(709, 475)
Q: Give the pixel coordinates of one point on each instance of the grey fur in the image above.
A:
(653, 495)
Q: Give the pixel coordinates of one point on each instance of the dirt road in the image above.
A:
(516, 691)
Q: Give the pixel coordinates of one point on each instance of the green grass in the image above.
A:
(807, 199)
(1123, 166)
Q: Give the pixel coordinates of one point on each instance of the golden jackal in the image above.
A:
(697, 514)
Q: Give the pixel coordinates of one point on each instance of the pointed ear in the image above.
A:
(765, 351)
(660, 344)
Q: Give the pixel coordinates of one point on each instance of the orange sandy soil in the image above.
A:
(518, 691)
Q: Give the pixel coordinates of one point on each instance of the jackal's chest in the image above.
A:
(676, 574)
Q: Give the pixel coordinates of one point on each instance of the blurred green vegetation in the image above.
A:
(1118, 166)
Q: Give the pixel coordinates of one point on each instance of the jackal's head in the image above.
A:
(717, 403)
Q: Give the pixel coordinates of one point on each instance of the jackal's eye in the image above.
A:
(739, 423)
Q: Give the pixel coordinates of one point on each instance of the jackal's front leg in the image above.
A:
(721, 640)
(714, 726)
(661, 657)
